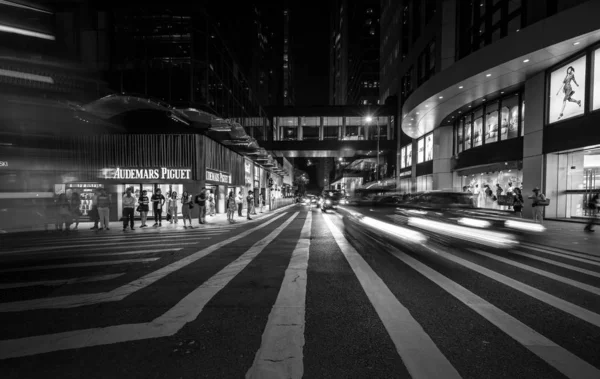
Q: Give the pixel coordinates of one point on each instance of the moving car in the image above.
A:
(331, 200)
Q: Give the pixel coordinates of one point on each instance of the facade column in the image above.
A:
(443, 177)
(413, 184)
(533, 140)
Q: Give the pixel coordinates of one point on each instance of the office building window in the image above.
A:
(426, 62)
(406, 84)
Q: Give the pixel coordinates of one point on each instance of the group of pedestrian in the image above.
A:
(236, 202)
(65, 211)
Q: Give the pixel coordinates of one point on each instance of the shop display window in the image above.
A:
(476, 184)
(421, 150)
(459, 136)
(491, 123)
(429, 147)
(409, 155)
(468, 133)
(522, 118)
(477, 132)
(424, 183)
(403, 157)
(510, 117)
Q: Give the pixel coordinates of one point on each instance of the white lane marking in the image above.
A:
(573, 258)
(186, 310)
(124, 238)
(558, 278)
(120, 293)
(84, 264)
(558, 357)
(60, 282)
(558, 303)
(560, 252)
(555, 263)
(79, 255)
(135, 252)
(419, 353)
(102, 245)
(280, 352)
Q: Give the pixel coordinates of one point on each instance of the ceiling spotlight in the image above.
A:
(576, 43)
(483, 100)
(488, 75)
(459, 112)
(460, 87)
(469, 106)
(526, 60)
(502, 93)
(417, 112)
(427, 106)
(412, 119)
(441, 97)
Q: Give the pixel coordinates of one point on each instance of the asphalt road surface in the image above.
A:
(297, 293)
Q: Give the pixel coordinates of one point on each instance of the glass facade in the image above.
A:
(494, 122)
(478, 185)
(425, 148)
(333, 128)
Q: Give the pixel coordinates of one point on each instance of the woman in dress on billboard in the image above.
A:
(568, 90)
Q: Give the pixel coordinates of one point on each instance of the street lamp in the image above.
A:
(369, 119)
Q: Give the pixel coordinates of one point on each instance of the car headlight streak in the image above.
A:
(526, 226)
(486, 237)
(473, 222)
(396, 231)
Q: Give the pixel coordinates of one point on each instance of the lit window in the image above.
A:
(364, 102)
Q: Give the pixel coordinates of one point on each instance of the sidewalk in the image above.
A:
(219, 219)
(569, 236)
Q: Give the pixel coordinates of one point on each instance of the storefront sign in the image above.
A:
(215, 176)
(596, 81)
(3, 164)
(84, 185)
(405, 174)
(567, 91)
(163, 173)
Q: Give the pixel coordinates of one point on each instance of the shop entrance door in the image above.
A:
(591, 184)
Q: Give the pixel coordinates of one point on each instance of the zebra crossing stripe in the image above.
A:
(186, 310)
(588, 260)
(122, 292)
(142, 236)
(558, 303)
(555, 263)
(561, 252)
(558, 278)
(419, 353)
(556, 356)
(280, 352)
(84, 264)
(60, 282)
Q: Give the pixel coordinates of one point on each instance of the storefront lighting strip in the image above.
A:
(26, 76)
(24, 32)
(24, 6)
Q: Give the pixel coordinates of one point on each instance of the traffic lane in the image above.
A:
(566, 330)
(475, 347)
(141, 306)
(220, 343)
(344, 337)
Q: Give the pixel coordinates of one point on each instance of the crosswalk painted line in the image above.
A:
(60, 282)
(558, 357)
(555, 263)
(587, 260)
(419, 353)
(186, 310)
(558, 303)
(562, 252)
(280, 352)
(79, 254)
(122, 292)
(124, 237)
(84, 264)
(134, 252)
(189, 241)
(558, 278)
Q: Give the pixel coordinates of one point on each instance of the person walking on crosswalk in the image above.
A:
(104, 209)
(128, 206)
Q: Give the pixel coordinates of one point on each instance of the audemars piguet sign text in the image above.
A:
(163, 173)
(216, 176)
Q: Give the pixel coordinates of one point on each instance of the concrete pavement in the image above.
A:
(297, 293)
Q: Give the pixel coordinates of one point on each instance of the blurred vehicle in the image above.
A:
(331, 200)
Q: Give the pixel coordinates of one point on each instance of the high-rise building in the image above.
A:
(289, 97)
(354, 53)
(467, 72)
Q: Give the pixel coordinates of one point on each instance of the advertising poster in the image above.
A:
(403, 157)
(429, 147)
(421, 150)
(477, 132)
(491, 129)
(596, 81)
(567, 91)
(408, 155)
(459, 137)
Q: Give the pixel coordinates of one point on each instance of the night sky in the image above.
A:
(310, 31)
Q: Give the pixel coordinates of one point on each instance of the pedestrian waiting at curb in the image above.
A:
(94, 215)
(128, 209)
(239, 200)
(518, 202)
(75, 208)
(172, 207)
(104, 209)
(143, 208)
(539, 202)
(158, 201)
(186, 208)
(231, 206)
(250, 200)
(201, 201)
